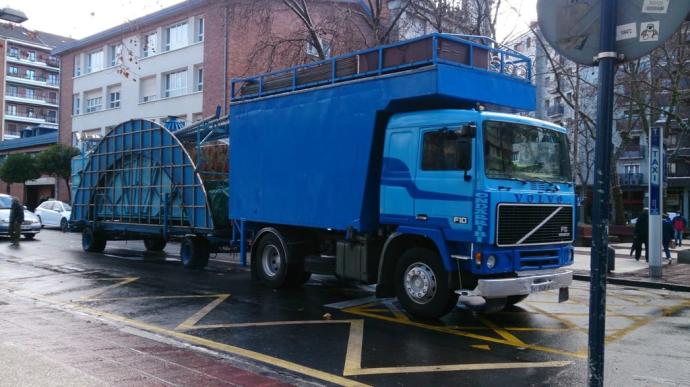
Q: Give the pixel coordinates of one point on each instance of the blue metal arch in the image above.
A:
(140, 174)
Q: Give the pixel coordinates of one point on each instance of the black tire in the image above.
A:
(512, 300)
(92, 242)
(194, 252)
(425, 269)
(155, 244)
(30, 236)
(271, 264)
(64, 226)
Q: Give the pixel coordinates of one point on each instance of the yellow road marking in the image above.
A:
(458, 367)
(267, 324)
(457, 332)
(502, 332)
(196, 317)
(153, 297)
(485, 347)
(396, 312)
(123, 282)
(353, 356)
(563, 321)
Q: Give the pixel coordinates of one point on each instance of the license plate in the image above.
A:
(542, 287)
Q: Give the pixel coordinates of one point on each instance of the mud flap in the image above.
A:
(563, 294)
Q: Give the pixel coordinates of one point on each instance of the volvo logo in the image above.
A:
(564, 231)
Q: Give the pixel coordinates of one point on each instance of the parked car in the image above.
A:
(54, 213)
(31, 225)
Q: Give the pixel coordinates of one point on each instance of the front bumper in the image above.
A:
(33, 228)
(524, 285)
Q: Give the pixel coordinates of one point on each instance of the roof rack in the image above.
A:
(474, 52)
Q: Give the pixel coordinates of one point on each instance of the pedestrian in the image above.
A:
(641, 235)
(16, 220)
(679, 223)
(667, 235)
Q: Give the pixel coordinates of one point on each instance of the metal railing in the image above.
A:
(50, 81)
(555, 110)
(34, 97)
(44, 117)
(631, 178)
(423, 51)
(633, 152)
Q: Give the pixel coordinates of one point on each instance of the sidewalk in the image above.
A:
(629, 271)
(43, 346)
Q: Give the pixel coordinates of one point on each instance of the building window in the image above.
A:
(176, 83)
(199, 82)
(13, 52)
(312, 51)
(115, 54)
(52, 79)
(12, 110)
(77, 65)
(200, 29)
(31, 55)
(94, 62)
(148, 89)
(176, 36)
(13, 70)
(30, 74)
(30, 112)
(52, 97)
(30, 93)
(150, 44)
(114, 100)
(12, 91)
(75, 104)
(94, 104)
(631, 169)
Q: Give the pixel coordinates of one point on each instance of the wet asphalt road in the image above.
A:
(329, 332)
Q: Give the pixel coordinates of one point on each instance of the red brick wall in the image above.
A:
(3, 51)
(65, 99)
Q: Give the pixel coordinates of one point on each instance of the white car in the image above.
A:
(54, 213)
(31, 225)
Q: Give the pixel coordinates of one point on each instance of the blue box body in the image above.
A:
(312, 158)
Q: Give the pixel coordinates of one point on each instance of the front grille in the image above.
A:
(539, 259)
(516, 221)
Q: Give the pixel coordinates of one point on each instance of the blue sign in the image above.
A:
(655, 172)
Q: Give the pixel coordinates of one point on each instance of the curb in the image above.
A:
(636, 283)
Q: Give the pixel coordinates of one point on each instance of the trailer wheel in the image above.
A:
(422, 284)
(92, 242)
(155, 244)
(194, 252)
(271, 262)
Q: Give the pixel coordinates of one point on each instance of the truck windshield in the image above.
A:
(525, 152)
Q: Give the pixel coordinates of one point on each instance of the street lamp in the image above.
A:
(13, 15)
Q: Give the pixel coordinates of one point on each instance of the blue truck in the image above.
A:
(398, 166)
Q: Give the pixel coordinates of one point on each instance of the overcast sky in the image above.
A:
(80, 18)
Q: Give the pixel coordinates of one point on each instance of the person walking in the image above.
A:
(667, 235)
(16, 220)
(679, 224)
(642, 235)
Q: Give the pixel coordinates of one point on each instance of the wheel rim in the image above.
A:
(271, 261)
(420, 283)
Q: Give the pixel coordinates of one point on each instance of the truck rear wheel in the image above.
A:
(92, 242)
(155, 244)
(422, 284)
(271, 265)
(194, 252)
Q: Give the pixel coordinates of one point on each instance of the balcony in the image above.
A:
(626, 179)
(23, 97)
(34, 80)
(51, 62)
(633, 152)
(30, 117)
(555, 110)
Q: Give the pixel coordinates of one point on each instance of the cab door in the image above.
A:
(445, 179)
(397, 176)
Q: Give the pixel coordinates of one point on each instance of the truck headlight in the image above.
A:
(491, 261)
(34, 221)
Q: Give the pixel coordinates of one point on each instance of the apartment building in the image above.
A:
(30, 80)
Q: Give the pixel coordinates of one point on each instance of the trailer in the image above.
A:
(397, 166)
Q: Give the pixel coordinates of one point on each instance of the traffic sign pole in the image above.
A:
(607, 58)
(655, 201)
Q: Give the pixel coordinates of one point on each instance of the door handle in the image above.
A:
(422, 217)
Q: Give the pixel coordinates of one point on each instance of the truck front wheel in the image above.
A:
(155, 244)
(194, 252)
(422, 284)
